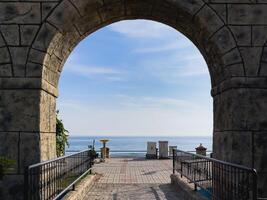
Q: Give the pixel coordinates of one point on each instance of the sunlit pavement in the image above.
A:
(133, 178)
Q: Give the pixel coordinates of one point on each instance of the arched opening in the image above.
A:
(136, 78)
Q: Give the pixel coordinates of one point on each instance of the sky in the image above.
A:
(136, 78)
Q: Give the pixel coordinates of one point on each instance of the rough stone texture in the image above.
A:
(36, 37)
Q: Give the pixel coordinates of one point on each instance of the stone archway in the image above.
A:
(37, 37)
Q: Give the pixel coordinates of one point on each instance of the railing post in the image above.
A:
(26, 183)
(73, 187)
(173, 160)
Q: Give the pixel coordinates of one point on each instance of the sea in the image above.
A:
(135, 144)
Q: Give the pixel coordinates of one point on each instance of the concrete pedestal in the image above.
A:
(163, 149)
(151, 150)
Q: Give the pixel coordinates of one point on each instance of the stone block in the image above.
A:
(48, 113)
(89, 23)
(245, 14)
(139, 8)
(19, 110)
(227, 147)
(34, 70)
(233, 114)
(263, 69)
(221, 10)
(13, 187)
(232, 57)
(9, 147)
(64, 16)
(215, 23)
(4, 55)
(11, 34)
(20, 12)
(47, 146)
(224, 40)
(259, 35)
(85, 7)
(260, 151)
(52, 77)
(30, 149)
(112, 11)
(6, 70)
(36, 56)
(251, 57)
(45, 37)
(235, 70)
(47, 7)
(27, 34)
(262, 182)
(19, 59)
(242, 35)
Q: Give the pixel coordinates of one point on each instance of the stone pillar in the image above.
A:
(240, 127)
(27, 133)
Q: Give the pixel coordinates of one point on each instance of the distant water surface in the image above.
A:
(186, 143)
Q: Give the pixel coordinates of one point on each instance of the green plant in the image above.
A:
(61, 137)
(5, 166)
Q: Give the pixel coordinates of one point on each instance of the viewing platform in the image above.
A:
(133, 178)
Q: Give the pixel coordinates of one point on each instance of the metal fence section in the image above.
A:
(216, 179)
(52, 179)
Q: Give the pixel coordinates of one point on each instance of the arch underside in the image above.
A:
(72, 20)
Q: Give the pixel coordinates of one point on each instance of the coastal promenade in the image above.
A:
(133, 178)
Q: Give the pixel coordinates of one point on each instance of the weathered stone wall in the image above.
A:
(37, 36)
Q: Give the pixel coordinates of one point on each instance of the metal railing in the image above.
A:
(52, 179)
(216, 179)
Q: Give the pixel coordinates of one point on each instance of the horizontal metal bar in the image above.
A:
(218, 161)
(56, 159)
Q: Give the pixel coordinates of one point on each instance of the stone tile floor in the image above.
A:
(134, 179)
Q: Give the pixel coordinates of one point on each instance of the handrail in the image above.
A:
(218, 179)
(55, 159)
(51, 179)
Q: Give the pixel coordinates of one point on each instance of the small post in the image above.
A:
(200, 150)
(195, 187)
(73, 187)
(173, 160)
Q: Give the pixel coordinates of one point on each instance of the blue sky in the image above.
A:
(136, 78)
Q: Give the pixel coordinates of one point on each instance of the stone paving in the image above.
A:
(133, 178)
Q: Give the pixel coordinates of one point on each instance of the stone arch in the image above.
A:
(36, 38)
(72, 20)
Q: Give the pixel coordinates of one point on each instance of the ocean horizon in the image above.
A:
(138, 143)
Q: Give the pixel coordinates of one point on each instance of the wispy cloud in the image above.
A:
(163, 48)
(148, 102)
(176, 65)
(104, 73)
(141, 29)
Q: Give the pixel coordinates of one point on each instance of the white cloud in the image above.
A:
(141, 29)
(163, 48)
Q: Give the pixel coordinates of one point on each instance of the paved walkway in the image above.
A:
(133, 178)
